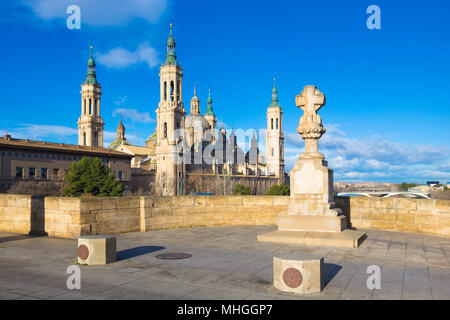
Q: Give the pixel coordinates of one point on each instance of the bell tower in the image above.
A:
(275, 138)
(90, 124)
(170, 123)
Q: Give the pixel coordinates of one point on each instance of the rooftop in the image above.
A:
(7, 141)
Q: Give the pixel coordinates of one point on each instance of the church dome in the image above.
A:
(171, 41)
(195, 99)
(196, 121)
(91, 62)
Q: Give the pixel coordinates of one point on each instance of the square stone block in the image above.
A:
(95, 250)
(298, 276)
(312, 223)
(347, 238)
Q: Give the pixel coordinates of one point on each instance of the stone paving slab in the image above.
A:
(226, 263)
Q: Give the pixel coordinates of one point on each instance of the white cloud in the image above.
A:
(134, 115)
(39, 132)
(120, 100)
(375, 158)
(62, 134)
(120, 58)
(101, 12)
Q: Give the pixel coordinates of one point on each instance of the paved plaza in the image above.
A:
(226, 263)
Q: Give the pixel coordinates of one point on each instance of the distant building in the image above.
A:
(39, 160)
(187, 148)
(422, 188)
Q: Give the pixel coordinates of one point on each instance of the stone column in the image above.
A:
(312, 216)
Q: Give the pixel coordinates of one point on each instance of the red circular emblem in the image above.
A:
(292, 278)
(83, 252)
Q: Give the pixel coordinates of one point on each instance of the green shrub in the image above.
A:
(279, 190)
(405, 186)
(89, 177)
(241, 190)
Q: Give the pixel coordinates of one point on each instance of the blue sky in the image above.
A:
(388, 97)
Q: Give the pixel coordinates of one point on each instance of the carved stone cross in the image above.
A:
(310, 100)
(310, 127)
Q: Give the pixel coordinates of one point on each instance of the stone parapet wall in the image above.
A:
(62, 217)
(195, 211)
(110, 215)
(72, 217)
(398, 214)
(15, 213)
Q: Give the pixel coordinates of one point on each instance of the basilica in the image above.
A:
(187, 152)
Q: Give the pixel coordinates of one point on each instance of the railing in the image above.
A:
(386, 194)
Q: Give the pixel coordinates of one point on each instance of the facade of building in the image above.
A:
(39, 160)
(185, 145)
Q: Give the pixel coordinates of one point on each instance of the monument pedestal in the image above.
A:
(312, 216)
(346, 239)
(312, 223)
(298, 276)
(97, 250)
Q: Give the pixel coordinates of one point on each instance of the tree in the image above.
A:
(53, 187)
(241, 190)
(224, 184)
(405, 186)
(89, 177)
(162, 186)
(279, 190)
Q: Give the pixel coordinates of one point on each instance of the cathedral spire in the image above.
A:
(120, 140)
(195, 102)
(171, 57)
(209, 108)
(222, 129)
(274, 103)
(121, 129)
(91, 77)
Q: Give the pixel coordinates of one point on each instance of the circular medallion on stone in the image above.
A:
(173, 256)
(83, 252)
(292, 278)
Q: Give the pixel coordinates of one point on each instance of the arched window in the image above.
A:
(165, 90)
(95, 107)
(272, 123)
(273, 153)
(84, 138)
(171, 90)
(277, 123)
(90, 106)
(84, 106)
(165, 129)
(178, 90)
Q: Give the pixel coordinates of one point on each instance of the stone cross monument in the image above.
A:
(312, 217)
